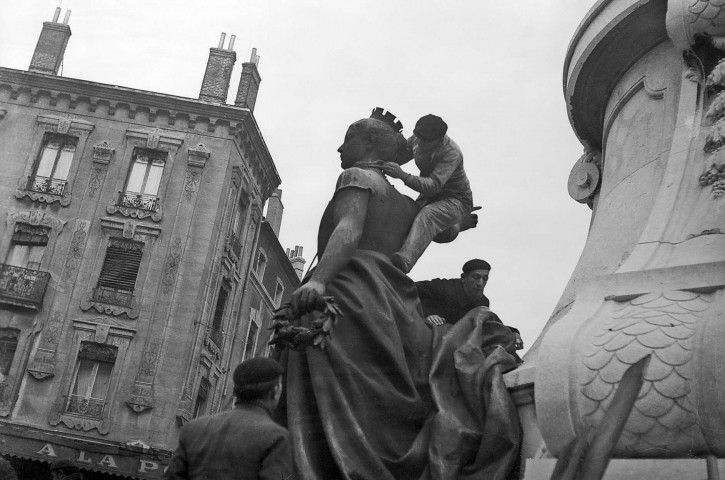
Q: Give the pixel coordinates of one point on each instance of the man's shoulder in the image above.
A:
(449, 147)
(254, 421)
(439, 282)
(437, 287)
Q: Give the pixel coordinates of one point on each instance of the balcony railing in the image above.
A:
(52, 186)
(140, 201)
(113, 296)
(22, 286)
(85, 406)
(235, 244)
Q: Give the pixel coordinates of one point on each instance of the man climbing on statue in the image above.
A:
(445, 192)
(448, 300)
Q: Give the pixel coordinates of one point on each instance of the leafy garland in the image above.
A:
(309, 330)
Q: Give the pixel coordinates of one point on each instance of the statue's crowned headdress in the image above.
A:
(379, 113)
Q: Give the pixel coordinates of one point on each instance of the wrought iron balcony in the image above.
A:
(51, 186)
(113, 296)
(85, 406)
(22, 286)
(140, 201)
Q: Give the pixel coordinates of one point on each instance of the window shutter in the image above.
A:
(121, 265)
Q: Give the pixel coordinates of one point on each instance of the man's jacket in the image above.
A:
(241, 444)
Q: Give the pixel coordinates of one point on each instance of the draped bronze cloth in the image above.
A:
(391, 399)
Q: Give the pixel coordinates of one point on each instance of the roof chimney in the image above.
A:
(295, 258)
(215, 86)
(51, 45)
(274, 211)
(249, 83)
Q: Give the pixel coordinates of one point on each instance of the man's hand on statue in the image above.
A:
(307, 298)
(434, 320)
(471, 221)
(392, 169)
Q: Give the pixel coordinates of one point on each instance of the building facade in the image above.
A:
(275, 273)
(130, 219)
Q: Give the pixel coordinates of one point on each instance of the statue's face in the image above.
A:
(474, 282)
(353, 149)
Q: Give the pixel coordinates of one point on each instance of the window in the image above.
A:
(117, 280)
(278, 292)
(261, 264)
(8, 345)
(51, 171)
(201, 397)
(217, 334)
(251, 343)
(237, 226)
(143, 181)
(21, 281)
(27, 246)
(91, 378)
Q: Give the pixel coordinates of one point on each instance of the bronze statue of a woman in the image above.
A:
(386, 399)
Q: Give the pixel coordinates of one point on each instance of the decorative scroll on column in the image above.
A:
(142, 398)
(42, 366)
(698, 26)
(197, 158)
(585, 176)
(102, 154)
(77, 247)
(714, 174)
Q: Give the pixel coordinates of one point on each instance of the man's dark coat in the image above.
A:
(241, 444)
(447, 298)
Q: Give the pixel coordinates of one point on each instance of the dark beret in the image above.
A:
(67, 466)
(476, 264)
(430, 127)
(256, 370)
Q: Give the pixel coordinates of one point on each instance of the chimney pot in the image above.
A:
(67, 17)
(51, 45)
(249, 83)
(231, 42)
(215, 85)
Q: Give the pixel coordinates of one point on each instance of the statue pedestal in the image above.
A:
(644, 83)
(625, 469)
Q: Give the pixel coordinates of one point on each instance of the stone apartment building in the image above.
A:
(274, 275)
(130, 223)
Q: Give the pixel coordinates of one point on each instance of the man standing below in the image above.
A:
(447, 300)
(241, 443)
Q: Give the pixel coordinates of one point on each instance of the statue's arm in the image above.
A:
(350, 211)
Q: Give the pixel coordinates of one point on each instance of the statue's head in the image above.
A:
(369, 139)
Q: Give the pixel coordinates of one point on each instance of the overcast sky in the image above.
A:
(492, 70)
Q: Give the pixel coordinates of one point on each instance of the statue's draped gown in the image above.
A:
(389, 398)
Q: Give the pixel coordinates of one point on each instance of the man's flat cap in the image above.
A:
(430, 127)
(476, 264)
(256, 370)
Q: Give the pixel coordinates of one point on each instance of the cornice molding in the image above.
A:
(156, 109)
(614, 35)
